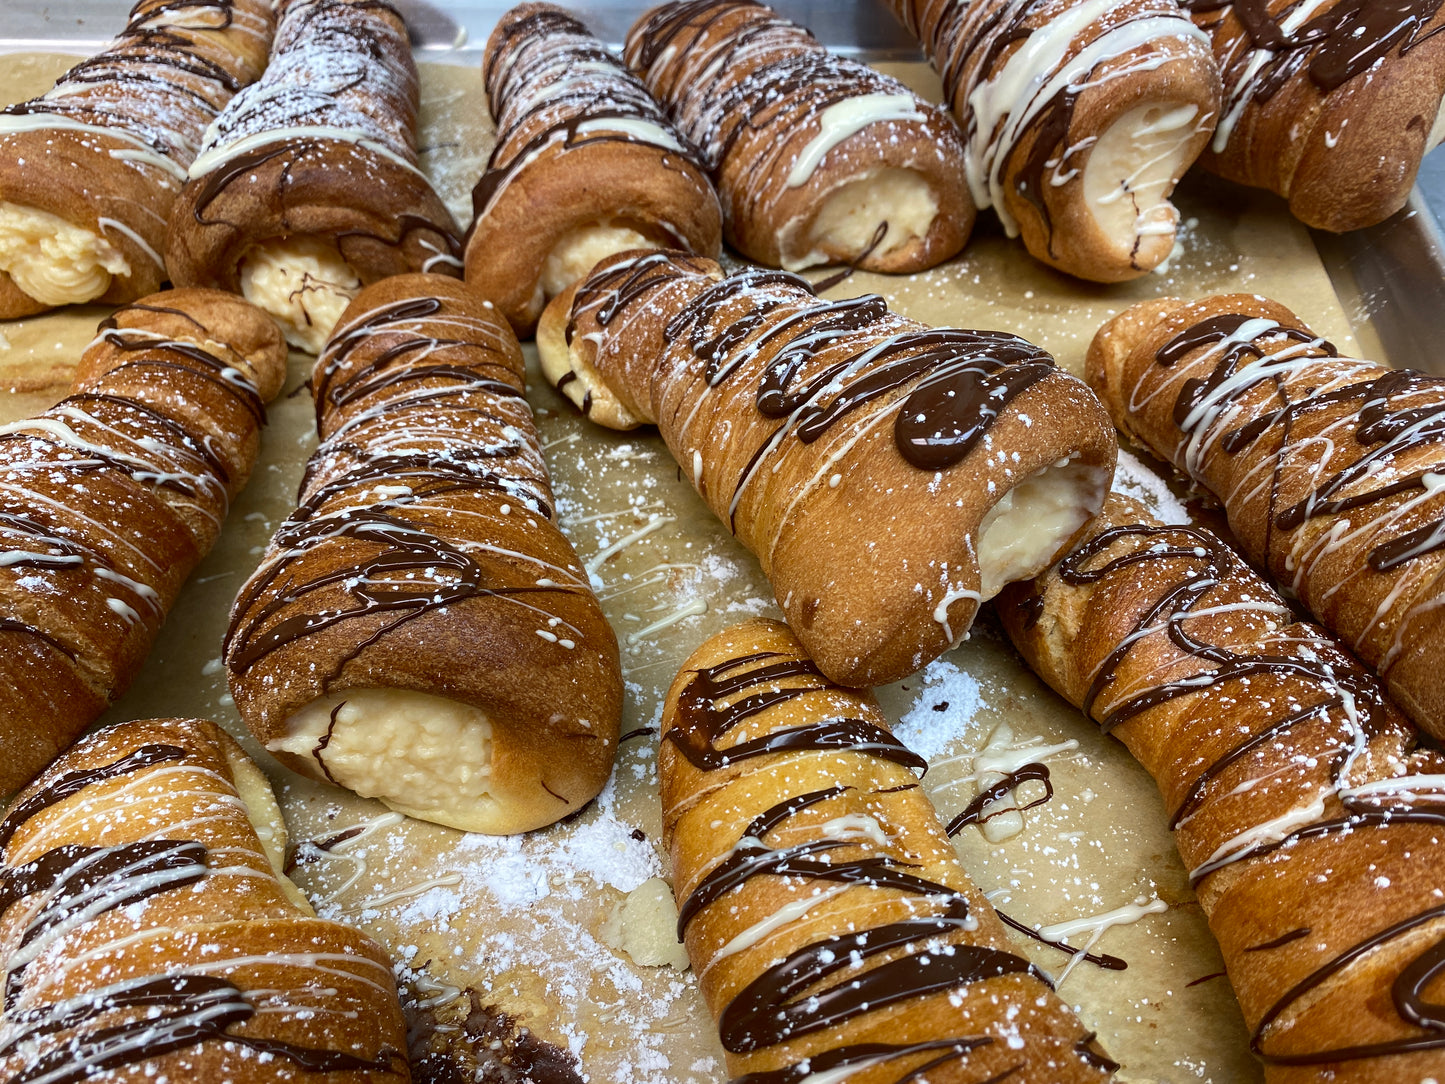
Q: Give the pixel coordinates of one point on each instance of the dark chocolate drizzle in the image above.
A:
(1197, 561)
(1339, 44)
(954, 384)
(977, 811)
(541, 47)
(82, 883)
(1397, 413)
(784, 1002)
(157, 82)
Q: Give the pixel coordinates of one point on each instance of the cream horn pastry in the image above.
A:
(89, 171)
(1330, 103)
(109, 499)
(419, 630)
(307, 187)
(830, 926)
(889, 476)
(818, 159)
(147, 932)
(1331, 469)
(1308, 822)
(1079, 117)
(585, 165)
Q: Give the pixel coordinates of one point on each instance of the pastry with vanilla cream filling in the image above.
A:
(1079, 116)
(585, 165)
(888, 476)
(1331, 469)
(419, 630)
(307, 187)
(832, 930)
(818, 159)
(112, 496)
(89, 170)
(148, 932)
(1331, 104)
(1307, 819)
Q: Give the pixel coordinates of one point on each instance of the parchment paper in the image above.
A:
(529, 924)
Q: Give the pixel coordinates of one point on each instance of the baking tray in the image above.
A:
(526, 921)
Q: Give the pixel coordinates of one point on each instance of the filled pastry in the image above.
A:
(1329, 467)
(1307, 821)
(307, 187)
(828, 920)
(1080, 116)
(419, 630)
(89, 171)
(888, 476)
(1330, 104)
(147, 932)
(109, 499)
(817, 158)
(585, 165)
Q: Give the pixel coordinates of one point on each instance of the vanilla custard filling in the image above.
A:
(304, 283)
(53, 261)
(1023, 532)
(422, 755)
(581, 249)
(851, 214)
(1132, 168)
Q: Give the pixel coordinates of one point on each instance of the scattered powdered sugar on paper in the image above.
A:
(928, 729)
(1135, 478)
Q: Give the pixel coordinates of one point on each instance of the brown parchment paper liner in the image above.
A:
(530, 923)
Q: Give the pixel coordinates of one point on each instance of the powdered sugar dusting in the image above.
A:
(943, 711)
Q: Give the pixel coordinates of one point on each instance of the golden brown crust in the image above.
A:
(795, 438)
(1083, 165)
(1334, 114)
(429, 473)
(789, 811)
(111, 499)
(581, 145)
(321, 148)
(1325, 466)
(1307, 821)
(145, 930)
(109, 154)
(794, 137)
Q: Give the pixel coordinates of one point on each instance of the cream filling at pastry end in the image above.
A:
(1130, 172)
(426, 756)
(580, 249)
(851, 214)
(54, 261)
(304, 283)
(1027, 527)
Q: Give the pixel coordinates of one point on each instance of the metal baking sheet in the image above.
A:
(530, 923)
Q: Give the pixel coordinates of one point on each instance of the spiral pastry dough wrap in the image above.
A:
(147, 932)
(829, 923)
(1079, 118)
(585, 165)
(1331, 469)
(1308, 822)
(888, 476)
(1329, 103)
(109, 499)
(817, 159)
(90, 170)
(419, 629)
(308, 187)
